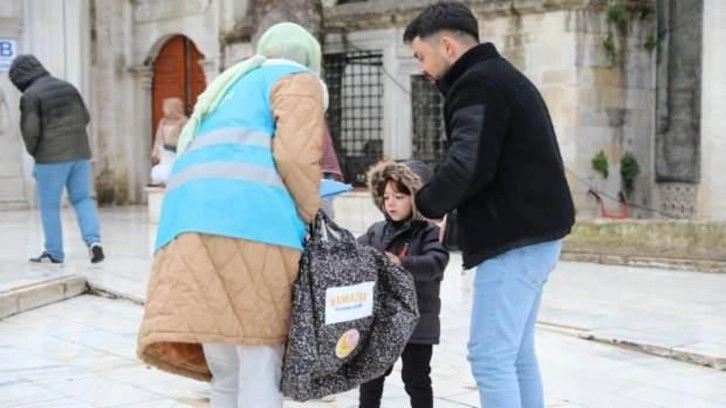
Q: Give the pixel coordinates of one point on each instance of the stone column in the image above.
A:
(678, 135)
(16, 183)
(142, 131)
(106, 103)
(12, 187)
(396, 99)
(712, 194)
(211, 68)
(236, 52)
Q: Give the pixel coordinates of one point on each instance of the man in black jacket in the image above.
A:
(505, 177)
(53, 120)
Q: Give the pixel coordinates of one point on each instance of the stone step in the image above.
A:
(26, 296)
(14, 205)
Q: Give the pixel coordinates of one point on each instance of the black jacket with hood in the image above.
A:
(53, 117)
(425, 258)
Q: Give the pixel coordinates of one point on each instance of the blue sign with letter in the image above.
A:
(8, 52)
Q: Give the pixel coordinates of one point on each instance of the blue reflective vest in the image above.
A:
(226, 183)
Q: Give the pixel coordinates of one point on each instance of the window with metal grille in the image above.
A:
(355, 110)
(429, 138)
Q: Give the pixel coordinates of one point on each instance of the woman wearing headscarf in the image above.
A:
(244, 188)
(166, 139)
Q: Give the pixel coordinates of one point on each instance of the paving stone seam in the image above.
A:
(676, 264)
(577, 332)
(700, 359)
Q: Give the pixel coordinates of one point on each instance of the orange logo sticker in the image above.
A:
(347, 343)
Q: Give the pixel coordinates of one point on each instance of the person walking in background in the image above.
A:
(53, 121)
(504, 175)
(167, 136)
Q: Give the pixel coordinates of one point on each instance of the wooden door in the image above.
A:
(177, 74)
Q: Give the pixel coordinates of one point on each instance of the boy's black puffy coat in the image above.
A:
(425, 257)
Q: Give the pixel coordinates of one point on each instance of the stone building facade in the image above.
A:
(711, 196)
(601, 67)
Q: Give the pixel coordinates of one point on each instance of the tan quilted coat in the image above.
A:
(212, 289)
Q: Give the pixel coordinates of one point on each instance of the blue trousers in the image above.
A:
(507, 296)
(51, 179)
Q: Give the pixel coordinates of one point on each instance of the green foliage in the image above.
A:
(600, 164)
(650, 43)
(609, 44)
(629, 170)
(617, 13)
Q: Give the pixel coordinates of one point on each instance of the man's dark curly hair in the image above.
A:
(443, 16)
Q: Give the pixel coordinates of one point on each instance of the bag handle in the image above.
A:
(328, 231)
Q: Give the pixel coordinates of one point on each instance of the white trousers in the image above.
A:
(245, 376)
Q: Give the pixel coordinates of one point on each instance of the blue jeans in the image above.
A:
(507, 296)
(76, 177)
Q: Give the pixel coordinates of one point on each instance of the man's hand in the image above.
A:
(393, 258)
(442, 227)
(442, 231)
(155, 160)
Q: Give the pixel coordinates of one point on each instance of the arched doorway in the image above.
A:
(177, 74)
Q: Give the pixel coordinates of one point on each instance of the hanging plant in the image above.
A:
(651, 42)
(617, 13)
(600, 164)
(629, 170)
(609, 44)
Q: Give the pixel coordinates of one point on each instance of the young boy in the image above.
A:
(412, 242)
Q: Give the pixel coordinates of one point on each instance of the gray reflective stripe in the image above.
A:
(237, 136)
(227, 171)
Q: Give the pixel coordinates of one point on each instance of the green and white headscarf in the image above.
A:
(287, 41)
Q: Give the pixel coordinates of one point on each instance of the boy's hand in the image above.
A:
(393, 258)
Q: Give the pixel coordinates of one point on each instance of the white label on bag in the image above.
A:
(346, 303)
